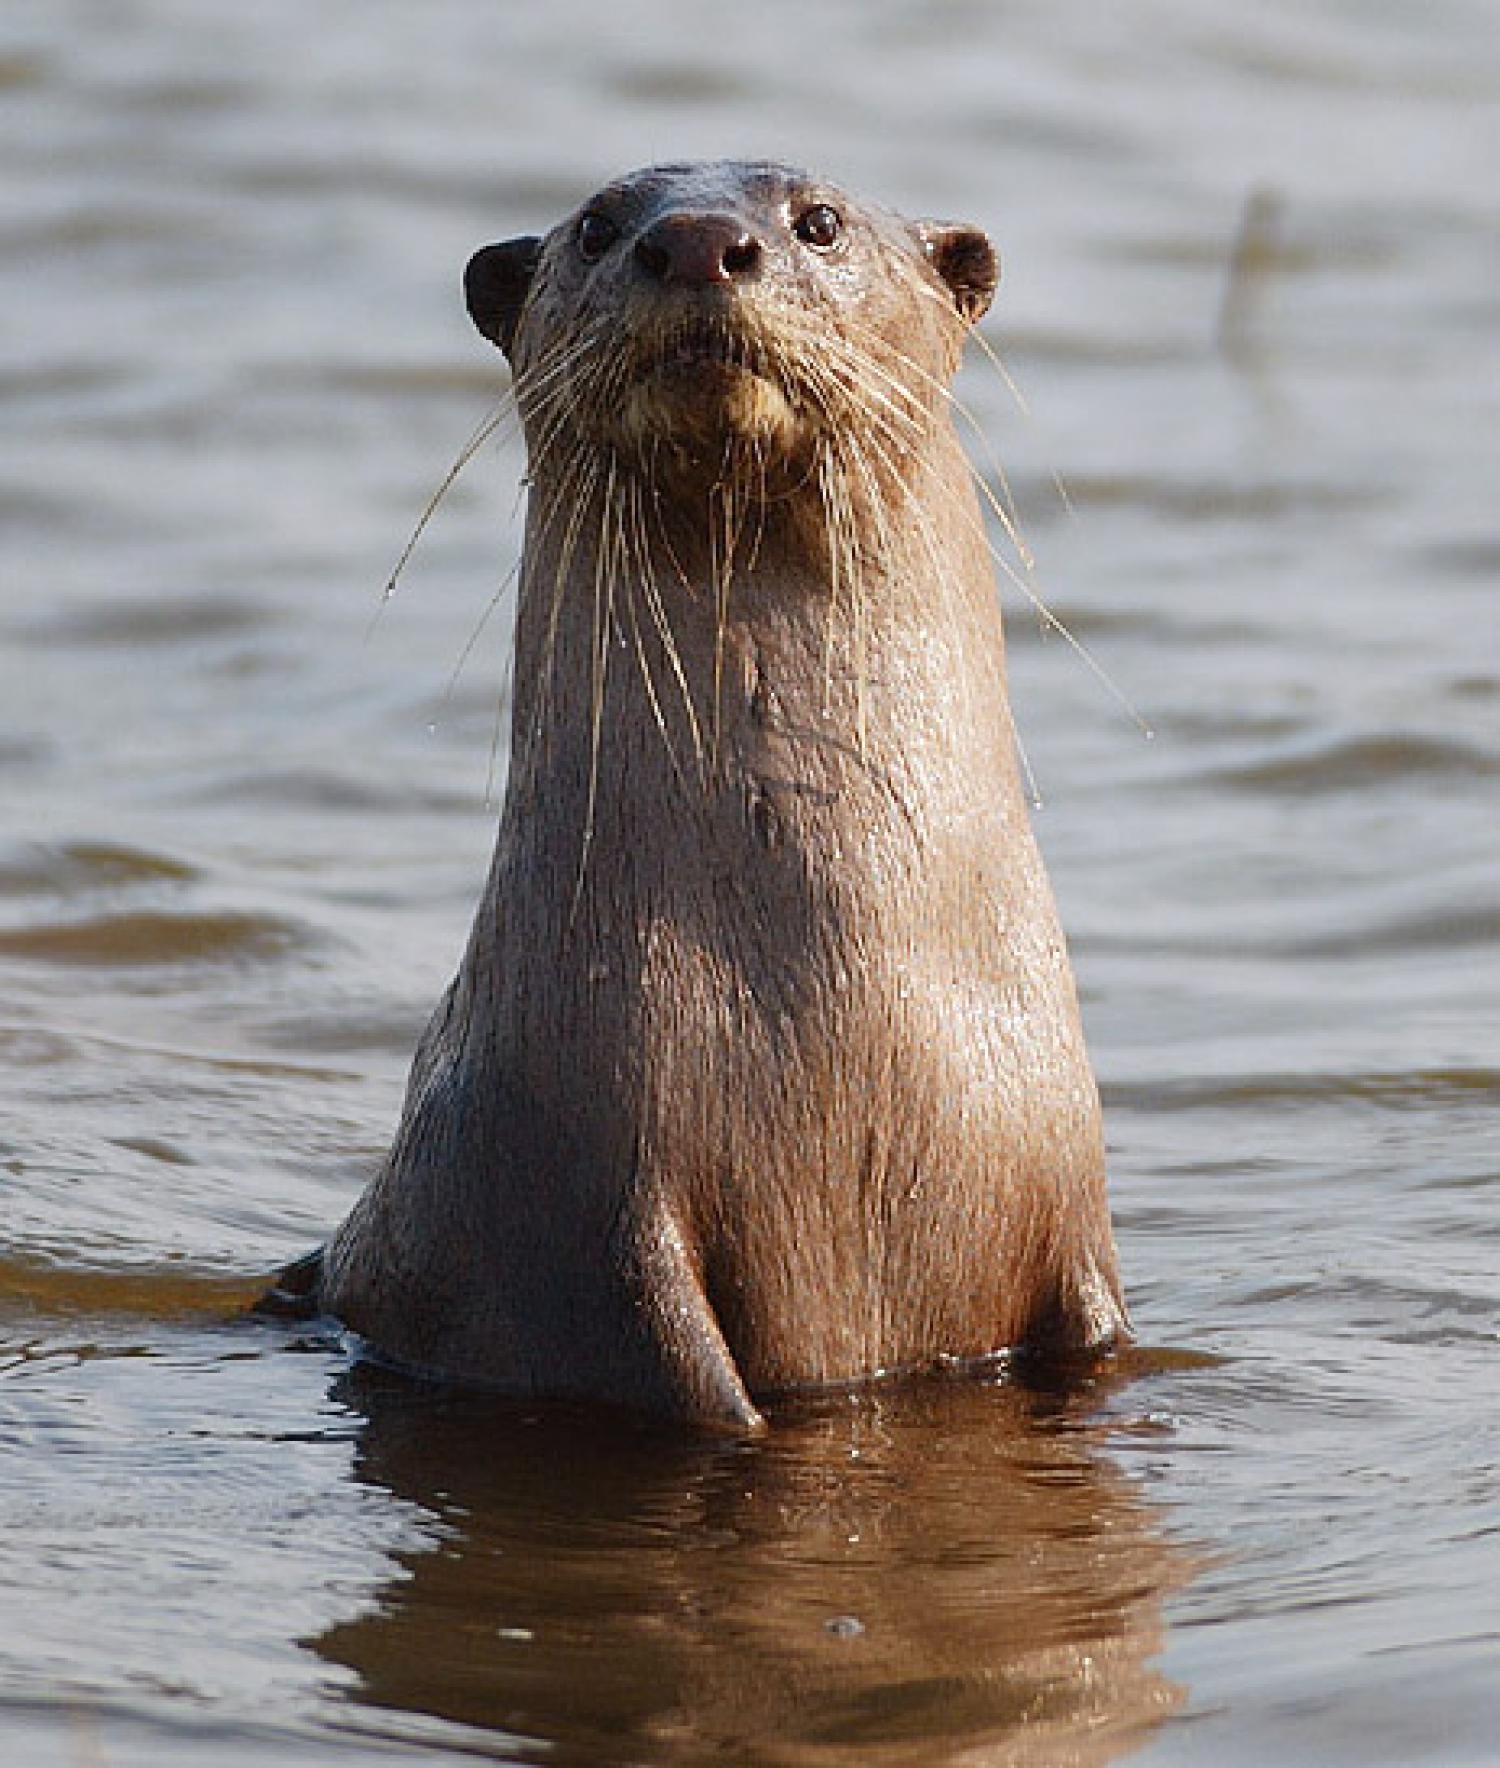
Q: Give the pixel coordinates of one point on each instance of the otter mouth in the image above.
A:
(703, 353)
(699, 381)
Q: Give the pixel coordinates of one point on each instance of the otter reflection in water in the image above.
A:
(763, 1068)
(950, 1571)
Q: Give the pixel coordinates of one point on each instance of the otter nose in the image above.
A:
(694, 250)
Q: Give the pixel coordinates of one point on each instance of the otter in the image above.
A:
(763, 1068)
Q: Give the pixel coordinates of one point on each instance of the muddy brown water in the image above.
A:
(245, 822)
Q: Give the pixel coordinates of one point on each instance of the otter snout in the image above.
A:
(698, 250)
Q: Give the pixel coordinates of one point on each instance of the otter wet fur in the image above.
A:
(763, 1068)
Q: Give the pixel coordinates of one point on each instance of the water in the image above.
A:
(244, 832)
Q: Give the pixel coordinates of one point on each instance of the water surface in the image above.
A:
(246, 821)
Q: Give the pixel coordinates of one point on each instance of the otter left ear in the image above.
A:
(496, 284)
(966, 261)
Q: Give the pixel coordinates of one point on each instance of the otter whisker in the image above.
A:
(588, 470)
(1007, 518)
(648, 681)
(721, 565)
(930, 539)
(641, 584)
(842, 390)
(1007, 515)
(759, 502)
(646, 569)
(658, 506)
(1052, 623)
(881, 362)
(841, 549)
(552, 414)
(553, 383)
(1002, 369)
(886, 550)
(604, 590)
(495, 420)
(908, 422)
(844, 569)
(477, 631)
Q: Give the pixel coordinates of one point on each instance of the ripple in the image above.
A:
(17, 72)
(146, 1292)
(20, 380)
(150, 620)
(153, 937)
(1216, 499)
(382, 377)
(1039, 344)
(1445, 929)
(1219, 723)
(317, 789)
(1400, 1310)
(93, 226)
(193, 96)
(86, 865)
(1192, 628)
(654, 83)
(46, 1046)
(21, 754)
(1439, 1087)
(154, 1148)
(1345, 762)
(471, 184)
(1475, 556)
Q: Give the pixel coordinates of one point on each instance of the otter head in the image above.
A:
(689, 309)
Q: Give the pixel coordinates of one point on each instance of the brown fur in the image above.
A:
(763, 1066)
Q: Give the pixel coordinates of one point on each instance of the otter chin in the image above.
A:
(702, 390)
(763, 1066)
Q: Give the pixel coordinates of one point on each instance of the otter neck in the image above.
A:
(647, 598)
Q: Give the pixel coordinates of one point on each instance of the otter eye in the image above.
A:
(596, 234)
(819, 226)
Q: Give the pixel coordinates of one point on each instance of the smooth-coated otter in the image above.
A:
(763, 1066)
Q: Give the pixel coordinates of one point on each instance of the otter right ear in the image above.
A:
(966, 261)
(496, 284)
